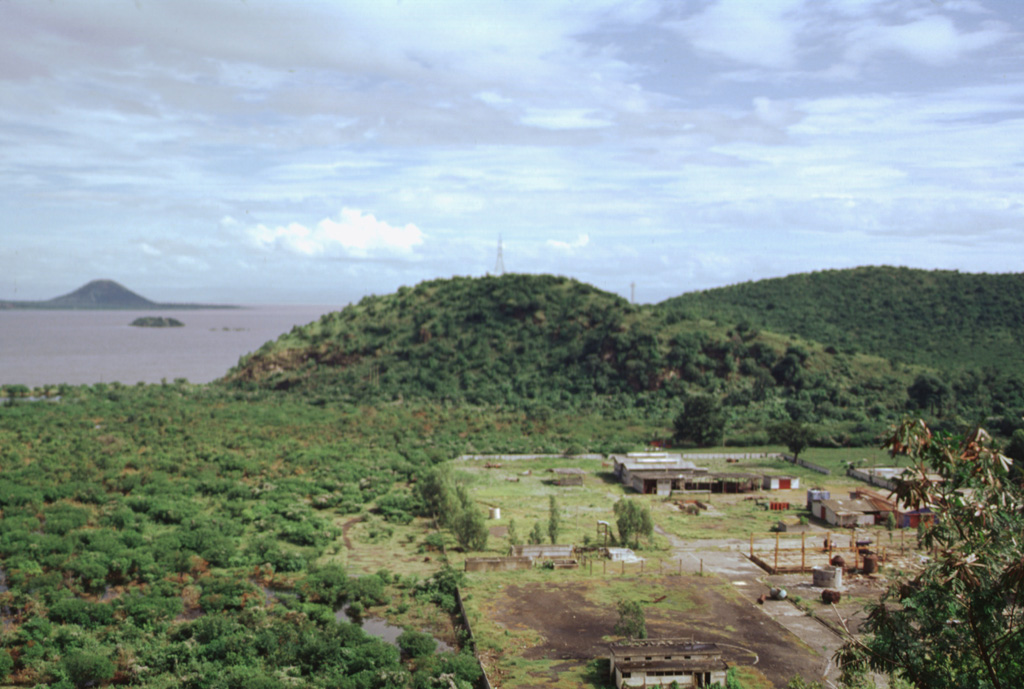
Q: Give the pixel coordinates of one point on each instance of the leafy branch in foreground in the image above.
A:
(959, 621)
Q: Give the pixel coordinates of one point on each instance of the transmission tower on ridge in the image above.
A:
(499, 266)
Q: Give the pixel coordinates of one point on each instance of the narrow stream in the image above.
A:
(379, 627)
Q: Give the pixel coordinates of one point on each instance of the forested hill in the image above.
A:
(540, 342)
(476, 339)
(944, 319)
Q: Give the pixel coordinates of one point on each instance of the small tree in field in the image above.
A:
(470, 529)
(633, 520)
(554, 520)
(536, 536)
(793, 434)
(513, 534)
(632, 622)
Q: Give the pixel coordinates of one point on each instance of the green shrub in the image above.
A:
(84, 668)
(415, 644)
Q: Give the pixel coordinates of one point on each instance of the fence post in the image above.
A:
(803, 552)
(776, 553)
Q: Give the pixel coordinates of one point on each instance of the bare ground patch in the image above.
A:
(574, 621)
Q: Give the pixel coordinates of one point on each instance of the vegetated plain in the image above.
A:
(187, 535)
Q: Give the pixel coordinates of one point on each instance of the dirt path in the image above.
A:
(345, 529)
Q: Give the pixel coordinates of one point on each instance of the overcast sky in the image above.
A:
(264, 151)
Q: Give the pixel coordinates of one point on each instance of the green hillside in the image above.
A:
(943, 319)
(543, 343)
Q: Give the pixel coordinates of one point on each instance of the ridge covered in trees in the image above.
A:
(538, 342)
(939, 318)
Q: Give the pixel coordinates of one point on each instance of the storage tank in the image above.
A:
(495, 513)
(817, 495)
(827, 577)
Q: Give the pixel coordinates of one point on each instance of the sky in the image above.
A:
(281, 152)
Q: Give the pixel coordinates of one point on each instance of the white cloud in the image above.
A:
(577, 118)
(538, 120)
(353, 234)
(934, 40)
(581, 241)
(759, 33)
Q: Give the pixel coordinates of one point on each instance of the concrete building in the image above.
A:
(660, 662)
(655, 473)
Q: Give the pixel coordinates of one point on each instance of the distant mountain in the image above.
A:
(103, 294)
(100, 294)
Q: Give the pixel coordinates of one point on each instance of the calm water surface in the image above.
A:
(52, 347)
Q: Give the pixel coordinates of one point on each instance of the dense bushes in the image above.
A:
(541, 343)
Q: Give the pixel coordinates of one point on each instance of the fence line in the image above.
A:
(513, 458)
(485, 681)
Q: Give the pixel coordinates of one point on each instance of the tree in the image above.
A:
(793, 434)
(701, 421)
(959, 622)
(632, 622)
(470, 529)
(633, 520)
(437, 489)
(928, 393)
(554, 519)
(536, 536)
(513, 534)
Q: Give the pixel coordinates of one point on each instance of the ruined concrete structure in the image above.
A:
(660, 662)
(497, 564)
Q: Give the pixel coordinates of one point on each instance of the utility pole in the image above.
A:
(499, 265)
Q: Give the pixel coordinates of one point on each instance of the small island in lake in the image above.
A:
(157, 322)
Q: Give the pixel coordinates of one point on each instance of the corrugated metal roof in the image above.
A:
(691, 665)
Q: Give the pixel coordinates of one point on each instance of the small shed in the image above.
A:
(780, 482)
(841, 512)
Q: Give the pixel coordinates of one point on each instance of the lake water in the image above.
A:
(52, 347)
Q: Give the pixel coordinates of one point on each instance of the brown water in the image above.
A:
(76, 347)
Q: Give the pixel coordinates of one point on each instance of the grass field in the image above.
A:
(521, 490)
